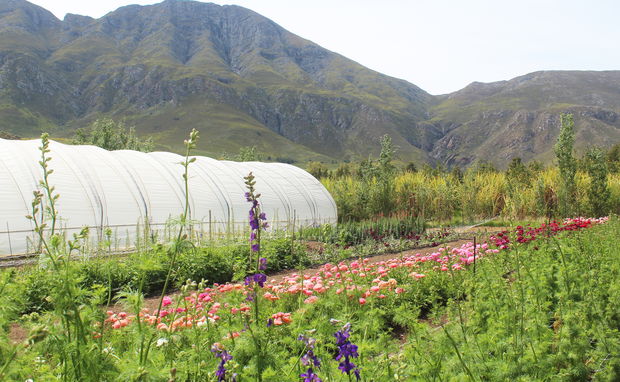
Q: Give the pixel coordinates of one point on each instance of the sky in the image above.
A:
(438, 45)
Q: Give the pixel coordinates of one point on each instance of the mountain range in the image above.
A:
(243, 80)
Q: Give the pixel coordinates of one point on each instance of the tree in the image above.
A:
(535, 166)
(111, 135)
(566, 164)
(385, 166)
(484, 167)
(344, 169)
(598, 192)
(411, 167)
(317, 170)
(517, 171)
(613, 158)
(248, 154)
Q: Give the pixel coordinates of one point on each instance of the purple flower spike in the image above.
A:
(254, 224)
(224, 357)
(258, 278)
(346, 351)
(262, 264)
(309, 376)
(310, 360)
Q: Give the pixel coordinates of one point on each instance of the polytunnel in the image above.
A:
(127, 193)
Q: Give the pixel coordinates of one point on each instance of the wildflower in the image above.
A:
(224, 357)
(161, 342)
(309, 376)
(281, 318)
(310, 360)
(258, 278)
(166, 301)
(346, 351)
(262, 264)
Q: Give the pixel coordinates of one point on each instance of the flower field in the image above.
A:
(533, 303)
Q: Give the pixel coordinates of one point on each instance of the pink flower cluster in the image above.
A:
(359, 280)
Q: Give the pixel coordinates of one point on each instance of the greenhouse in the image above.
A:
(124, 195)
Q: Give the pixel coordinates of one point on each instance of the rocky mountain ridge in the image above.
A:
(245, 81)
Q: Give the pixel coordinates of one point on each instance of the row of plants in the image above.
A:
(587, 185)
(509, 308)
(476, 196)
(221, 263)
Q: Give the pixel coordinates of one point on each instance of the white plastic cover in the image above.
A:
(130, 193)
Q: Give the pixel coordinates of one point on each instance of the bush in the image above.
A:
(211, 264)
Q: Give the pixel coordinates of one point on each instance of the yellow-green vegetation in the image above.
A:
(446, 197)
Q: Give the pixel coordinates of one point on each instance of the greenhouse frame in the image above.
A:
(127, 193)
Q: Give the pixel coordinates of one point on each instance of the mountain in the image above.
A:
(243, 80)
(235, 75)
(501, 120)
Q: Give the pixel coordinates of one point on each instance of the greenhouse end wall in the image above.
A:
(129, 193)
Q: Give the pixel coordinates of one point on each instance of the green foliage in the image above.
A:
(613, 158)
(598, 192)
(566, 163)
(410, 167)
(344, 169)
(111, 135)
(533, 313)
(248, 154)
(517, 171)
(318, 170)
(468, 197)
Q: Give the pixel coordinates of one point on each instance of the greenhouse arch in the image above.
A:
(125, 191)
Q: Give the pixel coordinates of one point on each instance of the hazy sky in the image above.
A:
(439, 45)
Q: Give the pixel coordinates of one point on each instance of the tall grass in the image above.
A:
(475, 196)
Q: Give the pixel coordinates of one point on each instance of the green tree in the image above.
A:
(385, 166)
(535, 166)
(517, 172)
(344, 169)
(598, 192)
(566, 164)
(111, 135)
(457, 173)
(411, 167)
(384, 194)
(248, 154)
(613, 158)
(317, 169)
(484, 167)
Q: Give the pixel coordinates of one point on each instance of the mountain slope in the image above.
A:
(500, 120)
(243, 80)
(235, 75)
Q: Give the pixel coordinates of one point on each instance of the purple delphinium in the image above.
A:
(346, 351)
(309, 376)
(224, 357)
(310, 360)
(257, 221)
(258, 278)
(262, 264)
